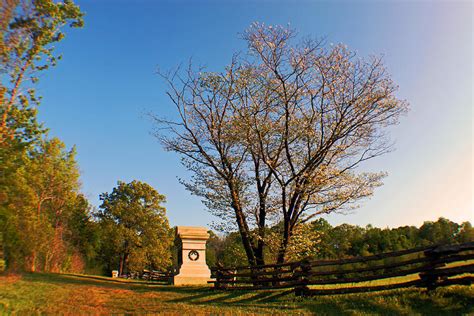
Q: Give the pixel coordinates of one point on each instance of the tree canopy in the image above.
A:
(134, 228)
(37, 217)
(278, 135)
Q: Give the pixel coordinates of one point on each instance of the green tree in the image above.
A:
(213, 248)
(53, 177)
(83, 232)
(28, 31)
(466, 233)
(135, 231)
(39, 214)
(442, 231)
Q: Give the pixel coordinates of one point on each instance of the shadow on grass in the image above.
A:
(209, 298)
(138, 286)
(447, 301)
(265, 297)
(455, 300)
(350, 305)
(243, 299)
(195, 295)
(444, 301)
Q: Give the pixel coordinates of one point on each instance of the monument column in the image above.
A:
(193, 269)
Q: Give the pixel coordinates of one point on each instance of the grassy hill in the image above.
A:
(81, 294)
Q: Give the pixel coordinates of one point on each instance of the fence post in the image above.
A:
(302, 278)
(253, 277)
(429, 277)
(170, 275)
(276, 275)
(219, 274)
(217, 285)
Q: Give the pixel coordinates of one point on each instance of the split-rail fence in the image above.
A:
(426, 267)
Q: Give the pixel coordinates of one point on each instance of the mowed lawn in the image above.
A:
(80, 294)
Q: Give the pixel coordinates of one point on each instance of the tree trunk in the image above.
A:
(245, 235)
(33, 261)
(125, 263)
(259, 255)
(289, 224)
(243, 227)
(121, 265)
(18, 81)
(284, 242)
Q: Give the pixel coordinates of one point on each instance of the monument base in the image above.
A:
(188, 280)
(197, 274)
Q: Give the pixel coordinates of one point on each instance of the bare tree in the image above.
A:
(279, 134)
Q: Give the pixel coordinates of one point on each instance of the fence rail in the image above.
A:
(164, 277)
(430, 267)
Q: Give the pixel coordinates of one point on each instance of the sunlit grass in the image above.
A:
(389, 281)
(73, 294)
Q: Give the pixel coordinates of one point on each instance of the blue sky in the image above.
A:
(97, 97)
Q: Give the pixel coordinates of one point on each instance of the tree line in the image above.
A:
(320, 240)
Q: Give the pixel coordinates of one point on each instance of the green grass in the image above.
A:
(79, 294)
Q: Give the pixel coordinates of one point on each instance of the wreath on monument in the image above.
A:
(193, 255)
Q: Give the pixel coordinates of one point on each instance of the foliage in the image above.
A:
(135, 233)
(213, 246)
(227, 251)
(83, 233)
(277, 136)
(320, 240)
(38, 178)
(38, 232)
(348, 240)
(28, 30)
(46, 223)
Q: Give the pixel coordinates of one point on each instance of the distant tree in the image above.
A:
(225, 251)
(277, 136)
(349, 240)
(466, 233)
(213, 248)
(83, 232)
(408, 236)
(442, 231)
(135, 233)
(319, 240)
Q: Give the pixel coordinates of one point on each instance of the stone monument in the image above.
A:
(193, 269)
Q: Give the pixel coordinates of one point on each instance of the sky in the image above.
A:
(98, 95)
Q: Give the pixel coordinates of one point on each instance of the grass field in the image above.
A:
(80, 294)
